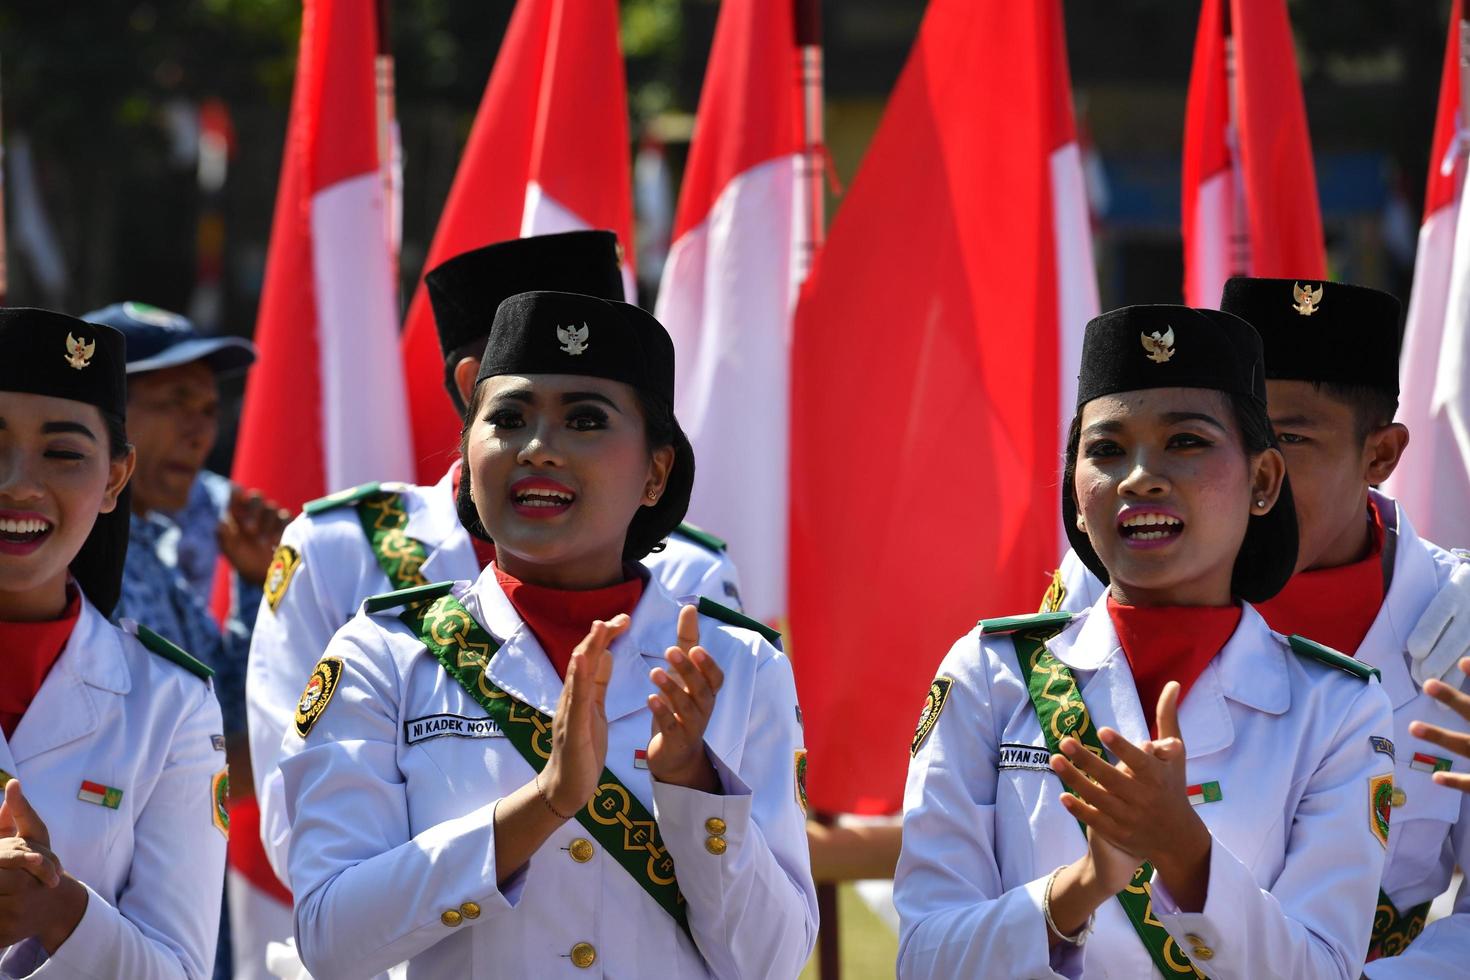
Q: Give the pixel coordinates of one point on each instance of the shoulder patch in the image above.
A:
(169, 651)
(318, 694)
(1056, 594)
(800, 767)
(728, 616)
(278, 576)
(1011, 624)
(701, 537)
(933, 705)
(219, 798)
(342, 498)
(419, 593)
(1304, 647)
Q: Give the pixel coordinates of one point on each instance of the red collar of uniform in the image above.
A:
(484, 550)
(1169, 643)
(1333, 606)
(560, 618)
(31, 650)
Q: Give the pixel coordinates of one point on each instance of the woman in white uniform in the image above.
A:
(554, 770)
(1227, 790)
(112, 831)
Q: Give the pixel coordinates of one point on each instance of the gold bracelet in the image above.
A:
(1081, 935)
(547, 800)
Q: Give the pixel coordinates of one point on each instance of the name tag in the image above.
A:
(437, 726)
(1014, 756)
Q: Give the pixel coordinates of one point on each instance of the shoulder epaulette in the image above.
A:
(712, 609)
(169, 651)
(1011, 624)
(701, 537)
(419, 593)
(1316, 651)
(342, 498)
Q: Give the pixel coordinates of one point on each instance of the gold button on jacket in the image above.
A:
(470, 910)
(1202, 953)
(584, 955)
(581, 850)
(451, 918)
(715, 845)
(715, 826)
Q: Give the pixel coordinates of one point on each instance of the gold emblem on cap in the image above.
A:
(1160, 347)
(1306, 298)
(573, 340)
(79, 354)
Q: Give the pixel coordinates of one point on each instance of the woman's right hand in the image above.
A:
(579, 731)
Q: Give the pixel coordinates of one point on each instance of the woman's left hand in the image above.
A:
(1140, 805)
(681, 710)
(1456, 742)
(29, 906)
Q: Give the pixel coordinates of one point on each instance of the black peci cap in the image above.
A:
(1137, 348)
(568, 333)
(466, 290)
(1330, 332)
(1159, 346)
(47, 353)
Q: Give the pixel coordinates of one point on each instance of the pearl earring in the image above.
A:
(1261, 504)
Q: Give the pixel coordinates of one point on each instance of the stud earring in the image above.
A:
(1261, 504)
(652, 495)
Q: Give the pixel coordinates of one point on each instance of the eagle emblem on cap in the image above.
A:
(573, 340)
(1306, 298)
(78, 353)
(1160, 346)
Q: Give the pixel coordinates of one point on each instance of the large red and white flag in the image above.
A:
(933, 372)
(729, 288)
(548, 152)
(324, 405)
(1250, 194)
(1433, 480)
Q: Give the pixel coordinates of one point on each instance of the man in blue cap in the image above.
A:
(183, 516)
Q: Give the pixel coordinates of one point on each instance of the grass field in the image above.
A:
(869, 946)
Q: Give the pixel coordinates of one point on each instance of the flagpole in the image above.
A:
(1240, 238)
(808, 22)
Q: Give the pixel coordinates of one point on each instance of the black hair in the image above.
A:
(98, 566)
(1267, 556)
(650, 525)
(1372, 407)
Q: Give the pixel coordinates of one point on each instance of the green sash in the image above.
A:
(615, 817)
(385, 520)
(1061, 712)
(1392, 931)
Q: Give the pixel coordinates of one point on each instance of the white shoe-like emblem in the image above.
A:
(573, 340)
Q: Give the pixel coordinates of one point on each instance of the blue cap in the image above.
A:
(158, 339)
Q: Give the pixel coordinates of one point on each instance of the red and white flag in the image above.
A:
(328, 324)
(934, 369)
(1433, 480)
(729, 288)
(1250, 194)
(548, 152)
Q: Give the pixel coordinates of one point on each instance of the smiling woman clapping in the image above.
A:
(1159, 785)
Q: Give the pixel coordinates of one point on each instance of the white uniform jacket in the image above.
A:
(1295, 863)
(1431, 830)
(337, 571)
(114, 714)
(389, 837)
